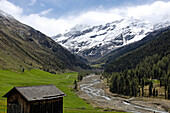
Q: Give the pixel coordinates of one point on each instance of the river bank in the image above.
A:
(95, 92)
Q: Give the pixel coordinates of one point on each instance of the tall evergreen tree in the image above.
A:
(154, 92)
(113, 84)
(150, 88)
(169, 88)
(165, 85)
(143, 84)
(75, 85)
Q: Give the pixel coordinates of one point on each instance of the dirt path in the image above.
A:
(67, 76)
(92, 90)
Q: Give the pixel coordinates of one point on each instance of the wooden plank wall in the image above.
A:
(52, 106)
(17, 104)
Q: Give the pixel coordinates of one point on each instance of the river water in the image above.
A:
(92, 86)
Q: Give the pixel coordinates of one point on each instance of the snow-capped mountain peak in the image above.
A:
(161, 25)
(94, 42)
(79, 27)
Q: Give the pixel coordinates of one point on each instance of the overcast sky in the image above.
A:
(55, 16)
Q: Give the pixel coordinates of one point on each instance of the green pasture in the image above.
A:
(64, 81)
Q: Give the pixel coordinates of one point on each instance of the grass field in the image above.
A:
(72, 103)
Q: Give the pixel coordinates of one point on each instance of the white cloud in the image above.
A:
(48, 26)
(10, 8)
(155, 12)
(45, 12)
(32, 2)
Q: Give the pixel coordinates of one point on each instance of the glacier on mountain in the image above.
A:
(95, 41)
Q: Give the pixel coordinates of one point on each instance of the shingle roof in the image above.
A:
(42, 92)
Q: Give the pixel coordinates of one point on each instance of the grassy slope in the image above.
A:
(23, 45)
(72, 103)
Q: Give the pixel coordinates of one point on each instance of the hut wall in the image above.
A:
(47, 106)
(17, 104)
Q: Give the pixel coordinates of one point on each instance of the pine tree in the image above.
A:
(118, 84)
(143, 84)
(80, 77)
(131, 89)
(154, 92)
(121, 84)
(160, 82)
(75, 82)
(135, 85)
(139, 92)
(127, 85)
(165, 84)
(113, 84)
(23, 70)
(169, 88)
(150, 88)
(75, 85)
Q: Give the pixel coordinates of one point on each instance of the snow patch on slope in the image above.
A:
(100, 40)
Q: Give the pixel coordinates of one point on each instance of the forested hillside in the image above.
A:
(133, 71)
(161, 46)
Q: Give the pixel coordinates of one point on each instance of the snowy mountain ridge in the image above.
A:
(97, 41)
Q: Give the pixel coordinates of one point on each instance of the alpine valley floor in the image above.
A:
(94, 91)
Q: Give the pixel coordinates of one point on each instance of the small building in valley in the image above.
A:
(35, 99)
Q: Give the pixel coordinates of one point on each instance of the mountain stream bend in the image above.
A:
(92, 90)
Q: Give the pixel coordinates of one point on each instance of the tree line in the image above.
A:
(131, 82)
(130, 73)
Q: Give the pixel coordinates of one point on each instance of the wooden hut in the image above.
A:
(35, 99)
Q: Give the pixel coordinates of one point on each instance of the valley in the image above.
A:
(93, 90)
(129, 56)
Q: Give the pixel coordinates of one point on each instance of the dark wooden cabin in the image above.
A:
(35, 99)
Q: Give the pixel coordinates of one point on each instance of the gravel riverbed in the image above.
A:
(94, 92)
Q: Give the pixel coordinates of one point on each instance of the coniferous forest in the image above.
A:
(130, 73)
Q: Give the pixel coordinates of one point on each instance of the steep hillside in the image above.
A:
(160, 46)
(24, 47)
(128, 48)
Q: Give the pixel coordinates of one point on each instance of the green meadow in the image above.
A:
(64, 81)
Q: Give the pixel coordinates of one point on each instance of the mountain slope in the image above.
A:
(160, 46)
(22, 46)
(128, 48)
(94, 42)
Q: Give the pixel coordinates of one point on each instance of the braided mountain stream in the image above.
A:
(94, 92)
